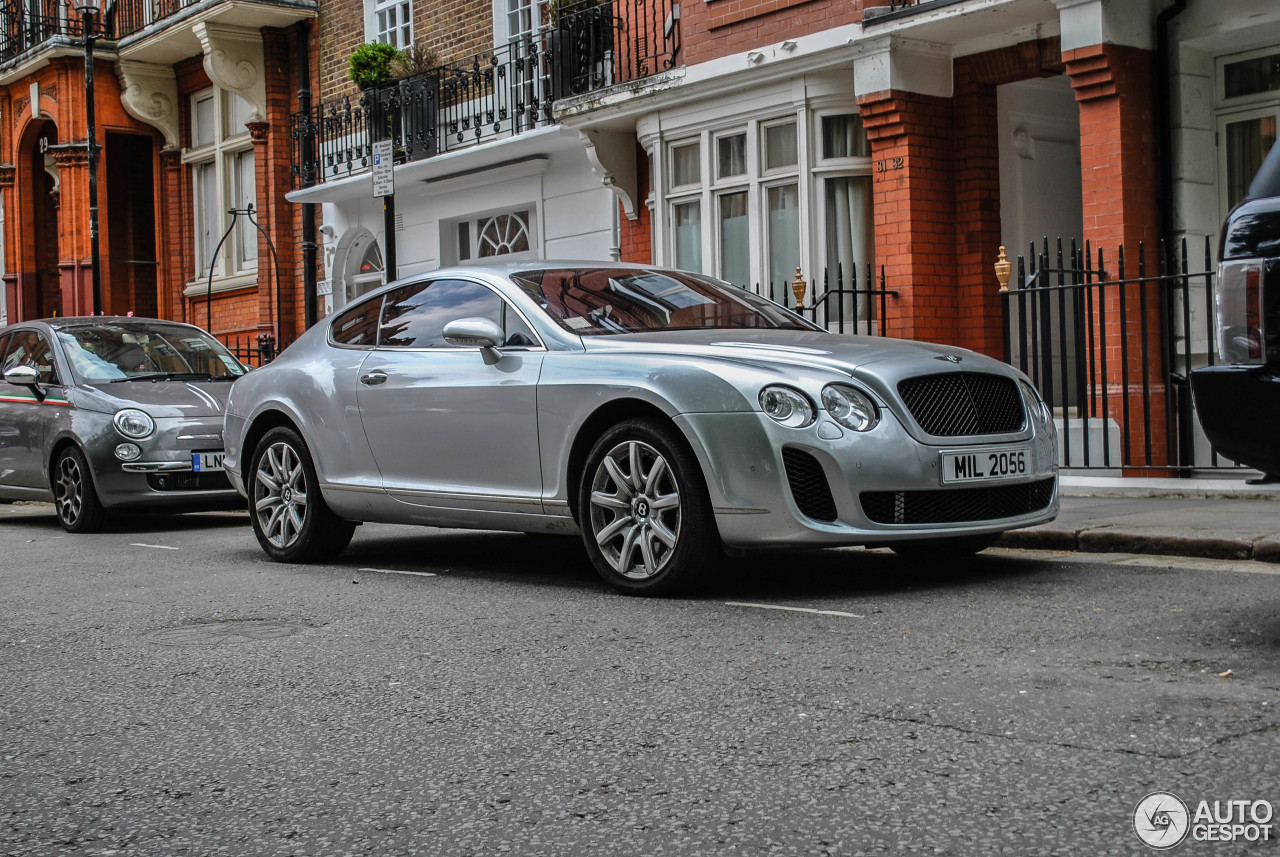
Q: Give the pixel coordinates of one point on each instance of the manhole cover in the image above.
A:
(219, 633)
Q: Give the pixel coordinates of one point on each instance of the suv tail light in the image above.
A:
(1240, 313)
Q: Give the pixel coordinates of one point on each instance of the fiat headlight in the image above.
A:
(1035, 404)
(850, 407)
(134, 423)
(787, 407)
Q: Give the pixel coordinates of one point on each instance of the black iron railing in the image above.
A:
(1110, 343)
(839, 305)
(252, 349)
(498, 93)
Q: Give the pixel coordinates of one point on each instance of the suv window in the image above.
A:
(29, 348)
(415, 316)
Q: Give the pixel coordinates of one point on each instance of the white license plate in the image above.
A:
(984, 465)
(207, 462)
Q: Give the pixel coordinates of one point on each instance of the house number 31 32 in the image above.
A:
(889, 164)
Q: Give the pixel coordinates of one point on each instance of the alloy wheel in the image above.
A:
(635, 510)
(280, 494)
(69, 489)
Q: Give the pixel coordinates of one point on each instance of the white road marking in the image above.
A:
(794, 609)
(157, 547)
(398, 571)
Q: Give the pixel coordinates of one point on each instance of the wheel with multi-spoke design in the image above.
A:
(644, 512)
(290, 518)
(74, 497)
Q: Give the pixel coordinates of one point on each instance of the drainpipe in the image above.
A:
(1164, 107)
(308, 208)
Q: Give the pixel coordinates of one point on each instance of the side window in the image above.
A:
(29, 348)
(415, 316)
(358, 325)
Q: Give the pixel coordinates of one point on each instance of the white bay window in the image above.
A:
(223, 177)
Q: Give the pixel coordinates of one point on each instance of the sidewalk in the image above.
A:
(1213, 518)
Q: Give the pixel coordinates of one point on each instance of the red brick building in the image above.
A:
(192, 105)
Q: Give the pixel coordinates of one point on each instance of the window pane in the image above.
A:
(849, 236)
(358, 326)
(416, 315)
(735, 240)
(1250, 77)
(238, 112)
(844, 137)
(780, 146)
(731, 156)
(688, 228)
(503, 234)
(246, 195)
(685, 167)
(202, 123)
(1247, 144)
(206, 202)
(784, 240)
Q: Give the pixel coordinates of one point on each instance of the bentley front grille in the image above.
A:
(959, 404)
(958, 505)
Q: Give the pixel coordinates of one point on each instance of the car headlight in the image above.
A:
(850, 407)
(134, 423)
(788, 407)
(1035, 404)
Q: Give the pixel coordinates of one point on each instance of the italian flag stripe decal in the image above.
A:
(32, 400)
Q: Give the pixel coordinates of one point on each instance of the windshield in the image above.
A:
(123, 352)
(601, 301)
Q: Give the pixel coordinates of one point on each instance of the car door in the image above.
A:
(25, 418)
(447, 430)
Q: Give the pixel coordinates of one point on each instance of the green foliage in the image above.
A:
(416, 59)
(371, 64)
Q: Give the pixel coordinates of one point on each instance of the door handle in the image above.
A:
(373, 379)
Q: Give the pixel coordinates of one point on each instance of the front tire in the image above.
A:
(644, 512)
(74, 498)
(290, 518)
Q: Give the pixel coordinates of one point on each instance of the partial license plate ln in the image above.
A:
(985, 465)
(207, 462)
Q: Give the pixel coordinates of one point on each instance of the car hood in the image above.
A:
(160, 399)
(889, 359)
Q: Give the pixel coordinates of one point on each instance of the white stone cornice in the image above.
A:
(906, 65)
(1113, 22)
(149, 93)
(233, 60)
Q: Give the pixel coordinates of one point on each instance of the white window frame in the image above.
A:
(1238, 109)
(503, 32)
(231, 270)
(476, 223)
(374, 33)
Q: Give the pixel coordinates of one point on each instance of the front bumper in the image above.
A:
(884, 486)
(163, 479)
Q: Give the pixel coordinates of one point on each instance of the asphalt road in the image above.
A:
(166, 690)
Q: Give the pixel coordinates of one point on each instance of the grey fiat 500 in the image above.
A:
(665, 416)
(103, 414)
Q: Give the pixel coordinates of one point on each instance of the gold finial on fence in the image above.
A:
(798, 287)
(1003, 268)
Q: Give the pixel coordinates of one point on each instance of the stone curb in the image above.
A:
(1105, 540)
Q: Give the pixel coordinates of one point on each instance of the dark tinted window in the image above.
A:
(358, 325)
(600, 301)
(29, 348)
(415, 316)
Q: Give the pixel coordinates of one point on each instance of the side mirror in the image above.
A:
(23, 376)
(473, 333)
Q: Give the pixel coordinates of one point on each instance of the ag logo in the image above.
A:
(1161, 820)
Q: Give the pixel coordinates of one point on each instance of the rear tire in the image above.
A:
(955, 548)
(290, 518)
(74, 498)
(644, 511)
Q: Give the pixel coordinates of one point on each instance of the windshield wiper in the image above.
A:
(167, 376)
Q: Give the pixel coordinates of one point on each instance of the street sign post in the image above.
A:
(383, 175)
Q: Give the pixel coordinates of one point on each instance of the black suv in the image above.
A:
(1239, 400)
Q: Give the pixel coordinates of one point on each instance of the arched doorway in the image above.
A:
(39, 278)
(360, 262)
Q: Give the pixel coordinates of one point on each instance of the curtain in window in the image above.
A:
(207, 232)
(688, 228)
(849, 239)
(735, 239)
(246, 195)
(1247, 145)
(784, 241)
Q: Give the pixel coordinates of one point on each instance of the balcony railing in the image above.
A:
(496, 94)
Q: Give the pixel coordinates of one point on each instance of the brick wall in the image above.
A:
(635, 239)
(722, 27)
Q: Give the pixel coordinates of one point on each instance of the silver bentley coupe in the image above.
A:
(103, 414)
(666, 416)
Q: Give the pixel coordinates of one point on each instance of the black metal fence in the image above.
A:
(839, 305)
(498, 93)
(28, 24)
(252, 349)
(1110, 343)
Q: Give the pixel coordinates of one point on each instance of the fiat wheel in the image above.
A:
(290, 518)
(644, 512)
(74, 498)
